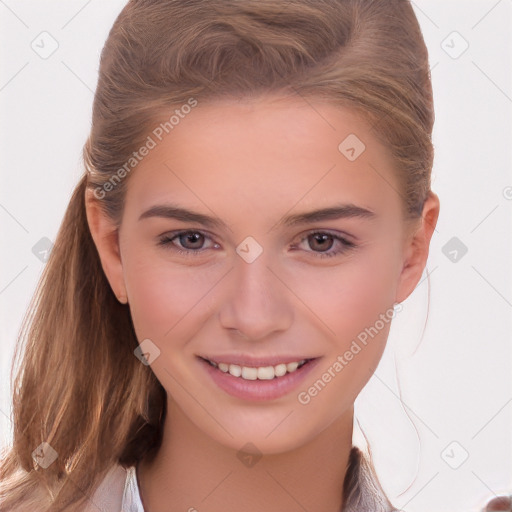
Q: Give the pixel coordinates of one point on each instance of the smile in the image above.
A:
(258, 372)
(257, 379)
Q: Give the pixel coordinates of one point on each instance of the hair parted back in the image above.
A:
(78, 386)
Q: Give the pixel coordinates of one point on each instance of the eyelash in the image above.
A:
(167, 241)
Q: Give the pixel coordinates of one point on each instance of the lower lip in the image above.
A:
(259, 390)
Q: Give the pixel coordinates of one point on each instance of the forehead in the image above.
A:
(266, 155)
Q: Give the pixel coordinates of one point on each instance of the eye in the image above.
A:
(191, 243)
(321, 243)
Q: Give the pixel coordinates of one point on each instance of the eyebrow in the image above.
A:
(341, 211)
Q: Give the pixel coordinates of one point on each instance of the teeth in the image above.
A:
(280, 370)
(259, 373)
(235, 370)
(249, 373)
(265, 373)
(291, 367)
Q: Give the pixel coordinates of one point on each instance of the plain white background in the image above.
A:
(446, 445)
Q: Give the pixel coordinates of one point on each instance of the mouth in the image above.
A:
(254, 380)
(263, 372)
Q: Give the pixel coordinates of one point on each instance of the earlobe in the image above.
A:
(417, 248)
(105, 236)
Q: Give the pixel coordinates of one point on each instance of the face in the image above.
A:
(250, 242)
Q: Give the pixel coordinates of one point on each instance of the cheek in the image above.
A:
(360, 313)
(355, 302)
(344, 373)
(347, 298)
(163, 295)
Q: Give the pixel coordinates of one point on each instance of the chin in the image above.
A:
(258, 442)
(277, 431)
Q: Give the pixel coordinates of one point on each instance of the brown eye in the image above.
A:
(325, 245)
(321, 241)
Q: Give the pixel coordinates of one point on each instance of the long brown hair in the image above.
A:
(79, 386)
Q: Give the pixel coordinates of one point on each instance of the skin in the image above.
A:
(250, 163)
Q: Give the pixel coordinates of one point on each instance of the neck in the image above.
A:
(192, 472)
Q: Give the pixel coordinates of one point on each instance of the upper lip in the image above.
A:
(247, 360)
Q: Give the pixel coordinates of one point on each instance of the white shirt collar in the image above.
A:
(131, 496)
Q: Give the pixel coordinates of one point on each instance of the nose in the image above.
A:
(257, 302)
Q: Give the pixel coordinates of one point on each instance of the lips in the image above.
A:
(257, 379)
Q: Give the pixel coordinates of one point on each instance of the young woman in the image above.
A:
(256, 202)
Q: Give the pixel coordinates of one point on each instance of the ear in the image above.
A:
(105, 236)
(416, 248)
